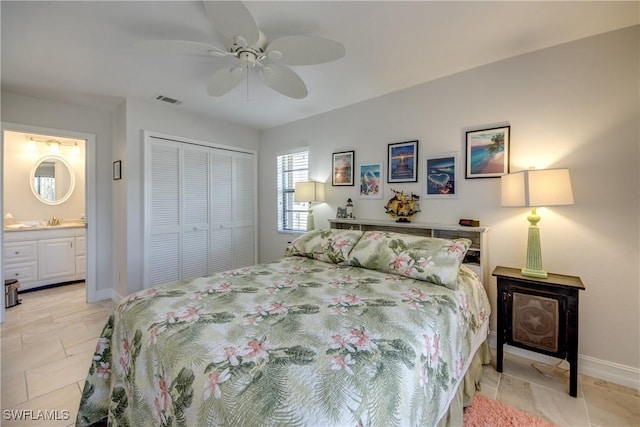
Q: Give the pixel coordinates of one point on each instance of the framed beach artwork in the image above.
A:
(488, 152)
(343, 168)
(441, 172)
(402, 162)
(371, 181)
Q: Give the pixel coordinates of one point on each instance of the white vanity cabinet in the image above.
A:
(56, 258)
(43, 257)
(21, 261)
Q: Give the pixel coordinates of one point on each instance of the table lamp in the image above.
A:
(536, 188)
(309, 192)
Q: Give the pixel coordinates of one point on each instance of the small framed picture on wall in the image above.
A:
(441, 173)
(402, 162)
(371, 181)
(343, 168)
(117, 169)
(488, 152)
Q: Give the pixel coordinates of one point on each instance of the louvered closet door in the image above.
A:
(200, 210)
(195, 211)
(244, 210)
(164, 244)
(221, 210)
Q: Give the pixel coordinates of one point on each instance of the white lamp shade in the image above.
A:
(537, 188)
(310, 191)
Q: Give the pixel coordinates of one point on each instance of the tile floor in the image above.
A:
(47, 341)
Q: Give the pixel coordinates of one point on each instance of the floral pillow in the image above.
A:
(326, 245)
(430, 259)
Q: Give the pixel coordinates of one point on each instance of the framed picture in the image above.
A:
(441, 173)
(488, 153)
(371, 181)
(402, 162)
(117, 169)
(343, 168)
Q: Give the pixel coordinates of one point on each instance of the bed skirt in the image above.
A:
(467, 389)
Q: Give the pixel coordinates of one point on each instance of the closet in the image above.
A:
(200, 209)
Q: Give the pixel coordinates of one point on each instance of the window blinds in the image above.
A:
(292, 167)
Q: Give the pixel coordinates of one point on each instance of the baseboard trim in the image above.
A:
(105, 294)
(597, 368)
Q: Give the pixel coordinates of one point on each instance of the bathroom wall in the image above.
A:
(19, 161)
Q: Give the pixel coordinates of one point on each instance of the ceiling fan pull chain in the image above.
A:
(247, 82)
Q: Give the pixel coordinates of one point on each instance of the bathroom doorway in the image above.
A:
(48, 207)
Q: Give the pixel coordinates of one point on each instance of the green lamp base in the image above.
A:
(310, 222)
(533, 267)
(541, 274)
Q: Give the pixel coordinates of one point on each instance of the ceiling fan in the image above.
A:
(245, 41)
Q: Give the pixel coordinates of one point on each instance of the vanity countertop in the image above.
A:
(22, 227)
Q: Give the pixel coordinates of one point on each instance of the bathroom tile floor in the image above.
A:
(47, 342)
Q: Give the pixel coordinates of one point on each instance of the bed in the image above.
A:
(349, 328)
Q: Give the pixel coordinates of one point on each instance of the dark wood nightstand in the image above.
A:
(540, 315)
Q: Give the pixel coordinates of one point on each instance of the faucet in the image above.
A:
(53, 221)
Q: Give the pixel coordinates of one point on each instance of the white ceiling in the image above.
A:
(83, 51)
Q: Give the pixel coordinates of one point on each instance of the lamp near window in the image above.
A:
(536, 188)
(310, 192)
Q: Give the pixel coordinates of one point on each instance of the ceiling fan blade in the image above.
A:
(222, 81)
(304, 50)
(233, 20)
(283, 80)
(182, 47)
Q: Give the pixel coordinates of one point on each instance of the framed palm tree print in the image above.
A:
(488, 152)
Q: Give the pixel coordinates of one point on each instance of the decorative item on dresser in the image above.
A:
(536, 188)
(476, 257)
(540, 315)
(402, 207)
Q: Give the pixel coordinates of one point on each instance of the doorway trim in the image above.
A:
(90, 197)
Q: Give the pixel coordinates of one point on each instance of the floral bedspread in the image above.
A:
(293, 342)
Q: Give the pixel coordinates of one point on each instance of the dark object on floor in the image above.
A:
(11, 293)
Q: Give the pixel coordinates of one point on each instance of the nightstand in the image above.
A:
(539, 315)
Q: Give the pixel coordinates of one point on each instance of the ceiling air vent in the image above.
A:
(167, 99)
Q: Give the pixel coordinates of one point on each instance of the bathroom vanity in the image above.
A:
(45, 255)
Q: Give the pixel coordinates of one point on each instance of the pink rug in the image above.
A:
(491, 413)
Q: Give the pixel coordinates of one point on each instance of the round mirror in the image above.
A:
(52, 180)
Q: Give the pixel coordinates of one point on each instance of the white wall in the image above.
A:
(574, 106)
(141, 116)
(27, 110)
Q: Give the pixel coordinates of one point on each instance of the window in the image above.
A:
(292, 167)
